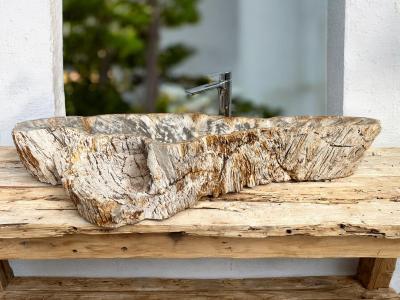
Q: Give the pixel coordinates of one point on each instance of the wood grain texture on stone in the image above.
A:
(121, 169)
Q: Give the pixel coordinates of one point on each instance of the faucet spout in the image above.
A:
(224, 92)
(205, 87)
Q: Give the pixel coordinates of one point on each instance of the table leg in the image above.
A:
(6, 274)
(374, 273)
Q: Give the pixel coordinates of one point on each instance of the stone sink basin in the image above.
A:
(120, 169)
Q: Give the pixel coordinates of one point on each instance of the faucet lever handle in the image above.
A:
(217, 76)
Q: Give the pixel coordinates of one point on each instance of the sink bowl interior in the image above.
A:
(172, 128)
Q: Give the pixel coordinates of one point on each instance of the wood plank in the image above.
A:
(376, 273)
(378, 218)
(360, 205)
(269, 288)
(8, 154)
(178, 245)
(6, 274)
(169, 285)
(239, 295)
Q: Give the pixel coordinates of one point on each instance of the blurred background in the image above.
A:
(139, 55)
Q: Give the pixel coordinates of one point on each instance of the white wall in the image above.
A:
(28, 78)
(372, 64)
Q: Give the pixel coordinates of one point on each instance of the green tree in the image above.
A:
(111, 47)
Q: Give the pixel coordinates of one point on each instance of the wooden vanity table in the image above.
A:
(358, 216)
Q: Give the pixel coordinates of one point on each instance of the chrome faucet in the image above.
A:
(224, 92)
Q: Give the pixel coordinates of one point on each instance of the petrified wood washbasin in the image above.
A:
(120, 169)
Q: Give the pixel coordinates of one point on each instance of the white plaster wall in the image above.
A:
(372, 64)
(27, 70)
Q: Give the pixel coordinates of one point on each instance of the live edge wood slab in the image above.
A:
(358, 216)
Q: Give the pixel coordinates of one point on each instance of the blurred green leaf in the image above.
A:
(173, 55)
(86, 99)
(178, 12)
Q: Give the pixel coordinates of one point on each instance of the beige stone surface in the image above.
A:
(120, 169)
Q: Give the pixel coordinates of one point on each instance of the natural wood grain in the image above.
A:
(8, 154)
(273, 288)
(178, 245)
(386, 294)
(165, 285)
(375, 272)
(217, 218)
(6, 274)
(360, 205)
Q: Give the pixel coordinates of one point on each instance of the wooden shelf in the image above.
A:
(365, 204)
(273, 288)
(358, 216)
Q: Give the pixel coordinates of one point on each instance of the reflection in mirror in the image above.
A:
(139, 56)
